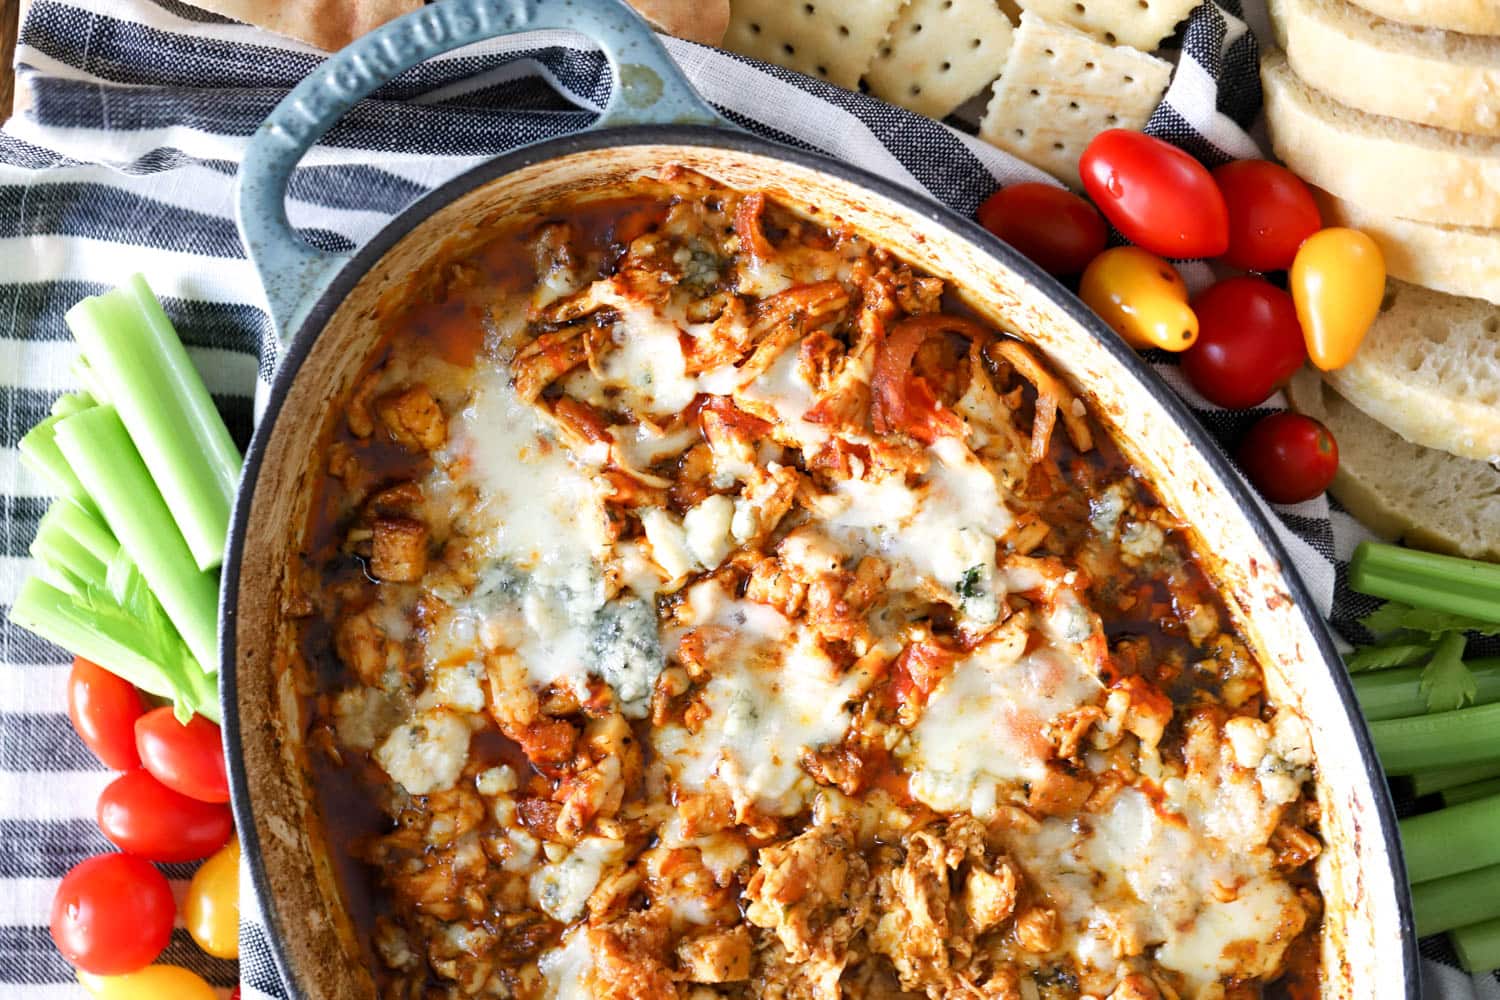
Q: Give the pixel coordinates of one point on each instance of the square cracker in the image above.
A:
(1139, 23)
(832, 39)
(1061, 87)
(940, 53)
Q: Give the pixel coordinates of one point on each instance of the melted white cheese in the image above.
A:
(773, 694)
(561, 889)
(541, 521)
(982, 726)
(940, 530)
(569, 968)
(426, 754)
(1131, 878)
(784, 390)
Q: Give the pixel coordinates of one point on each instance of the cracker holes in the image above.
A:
(754, 28)
(975, 43)
(915, 89)
(822, 71)
(809, 9)
(1129, 78)
(916, 29)
(945, 67)
(788, 49)
(1109, 36)
(1491, 324)
(1059, 147)
(844, 31)
(1080, 8)
(1111, 119)
(1020, 133)
(1090, 66)
(1035, 93)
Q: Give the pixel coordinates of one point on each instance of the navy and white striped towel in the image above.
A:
(122, 158)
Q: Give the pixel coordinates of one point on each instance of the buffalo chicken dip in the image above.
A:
(701, 602)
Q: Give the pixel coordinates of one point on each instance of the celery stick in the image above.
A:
(1457, 796)
(147, 375)
(1456, 901)
(99, 450)
(70, 403)
(1442, 739)
(89, 379)
(1449, 841)
(1423, 580)
(68, 563)
(1443, 778)
(85, 526)
(1478, 946)
(40, 454)
(156, 662)
(1397, 694)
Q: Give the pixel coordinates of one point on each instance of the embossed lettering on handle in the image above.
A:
(648, 88)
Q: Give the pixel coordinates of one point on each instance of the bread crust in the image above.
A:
(696, 20)
(1459, 260)
(1476, 17)
(1429, 369)
(1426, 75)
(1391, 166)
(1399, 490)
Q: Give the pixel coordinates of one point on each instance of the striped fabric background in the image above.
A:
(133, 116)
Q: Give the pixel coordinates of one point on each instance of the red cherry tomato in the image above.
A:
(141, 816)
(1270, 213)
(1249, 342)
(104, 708)
(1158, 197)
(1052, 226)
(187, 759)
(1290, 458)
(112, 914)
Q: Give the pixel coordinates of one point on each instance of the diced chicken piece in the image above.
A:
(719, 956)
(1135, 987)
(989, 898)
(814, 892)
(362, 647)
(1038, 929)
(1057, 793)
(399, 553)
(414, 419)
(913, 930)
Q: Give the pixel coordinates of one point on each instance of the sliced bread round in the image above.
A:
(1397, 489)
(1477, 17)
(1391, 166)
(1429, 369)
(1441, 78)
(1459, 260)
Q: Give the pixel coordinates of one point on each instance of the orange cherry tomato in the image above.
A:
(211, 908)
(151, 983)
(1337, 281)
(1142, 297)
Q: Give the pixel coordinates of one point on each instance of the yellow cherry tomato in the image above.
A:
(211, 909)
(154, 982)
(1142, 297)
(1337, 281)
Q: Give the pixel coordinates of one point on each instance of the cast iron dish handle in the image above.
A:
(648, 88)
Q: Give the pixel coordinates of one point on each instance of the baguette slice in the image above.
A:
(1425, 75)
(1429, 498)
(1477, 17)
(1429, 369)
(1390, 166)
(1459, 260)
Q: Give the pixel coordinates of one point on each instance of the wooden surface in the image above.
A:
(10, 14)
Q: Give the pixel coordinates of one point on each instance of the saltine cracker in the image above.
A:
(1138, 23)
(832, 39)
(1061, 87)
(940, 53)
